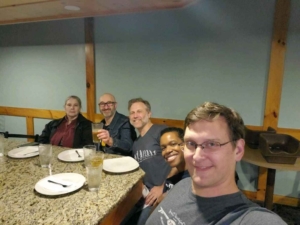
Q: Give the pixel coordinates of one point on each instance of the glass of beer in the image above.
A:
(95, 128)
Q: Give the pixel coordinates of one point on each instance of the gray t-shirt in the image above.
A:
(182, 207)
(146, 150)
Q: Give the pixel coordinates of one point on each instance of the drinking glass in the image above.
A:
(1, 145)
(94, 171)
(95, 128)
(88, 151)
(45, 155)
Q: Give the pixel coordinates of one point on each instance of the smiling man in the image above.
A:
(213, 143)
(146, 150)
(171, 143)
(117, 134)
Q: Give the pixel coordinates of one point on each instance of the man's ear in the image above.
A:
(239, 149)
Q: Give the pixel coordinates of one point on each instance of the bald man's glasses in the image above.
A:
(109, 104)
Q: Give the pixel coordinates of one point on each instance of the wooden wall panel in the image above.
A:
(28, 112)
(275, 79)
(276, 68)
(90, 67)
(278, 199)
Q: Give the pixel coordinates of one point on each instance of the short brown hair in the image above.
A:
(209, 111)
(134, 100)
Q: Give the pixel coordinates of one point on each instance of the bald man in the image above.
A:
(117, 134)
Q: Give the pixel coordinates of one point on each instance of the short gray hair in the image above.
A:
(74, 97)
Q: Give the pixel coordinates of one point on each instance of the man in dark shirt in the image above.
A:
(117, 134)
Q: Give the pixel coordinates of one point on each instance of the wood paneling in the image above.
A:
(168, 122)
(278, 199)
(90, 67)
(276, 68)
(275, 79)
(20, 11)
(55, 114)
(293, 132)
(35, 113)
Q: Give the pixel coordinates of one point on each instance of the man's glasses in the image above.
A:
(103, 104)
(207, 146)
(172, 144)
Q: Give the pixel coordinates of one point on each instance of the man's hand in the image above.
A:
(104, 136)
(159, 200)
(154, 194)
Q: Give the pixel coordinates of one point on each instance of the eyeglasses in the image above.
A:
(172, 144)
(110, 104)
(207, 146)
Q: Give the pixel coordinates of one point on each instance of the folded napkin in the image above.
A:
(27, 151)
(145, 193)
(57, 187)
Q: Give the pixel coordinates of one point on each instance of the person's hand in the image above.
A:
(153, 195)
(104, 136)
(159, 200)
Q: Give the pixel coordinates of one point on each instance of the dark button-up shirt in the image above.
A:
(122, 133)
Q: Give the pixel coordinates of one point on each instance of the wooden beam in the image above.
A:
(90, 67)
(293, 132)
(29, 112)
(278, 199)
(276, 69)
(262, 183)
(275, 79)
(30, 127)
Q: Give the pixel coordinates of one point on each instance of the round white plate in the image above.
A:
(120, 165)
(24, 152)
(71, 155)
(44, 187)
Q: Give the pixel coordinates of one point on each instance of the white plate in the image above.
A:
(120, 165)
(24, 152)
(71, 155)
(44, 187)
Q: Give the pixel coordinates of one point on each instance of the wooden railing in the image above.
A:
(30, 114)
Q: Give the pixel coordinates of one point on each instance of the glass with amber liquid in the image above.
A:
(94, 171)
(95, 128)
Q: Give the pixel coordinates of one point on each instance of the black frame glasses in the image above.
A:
(103, 104)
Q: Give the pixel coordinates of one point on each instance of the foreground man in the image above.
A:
(117, 134)
(213, 143)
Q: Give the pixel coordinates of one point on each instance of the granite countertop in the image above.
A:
(21, 204)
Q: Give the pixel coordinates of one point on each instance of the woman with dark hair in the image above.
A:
(73, 130)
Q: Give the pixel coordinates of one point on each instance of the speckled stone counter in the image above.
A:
(21, 204)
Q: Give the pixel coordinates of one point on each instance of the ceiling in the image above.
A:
(21, 11)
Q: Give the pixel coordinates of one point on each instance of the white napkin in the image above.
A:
(27, 151)
(145, 193)
(57, 187)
